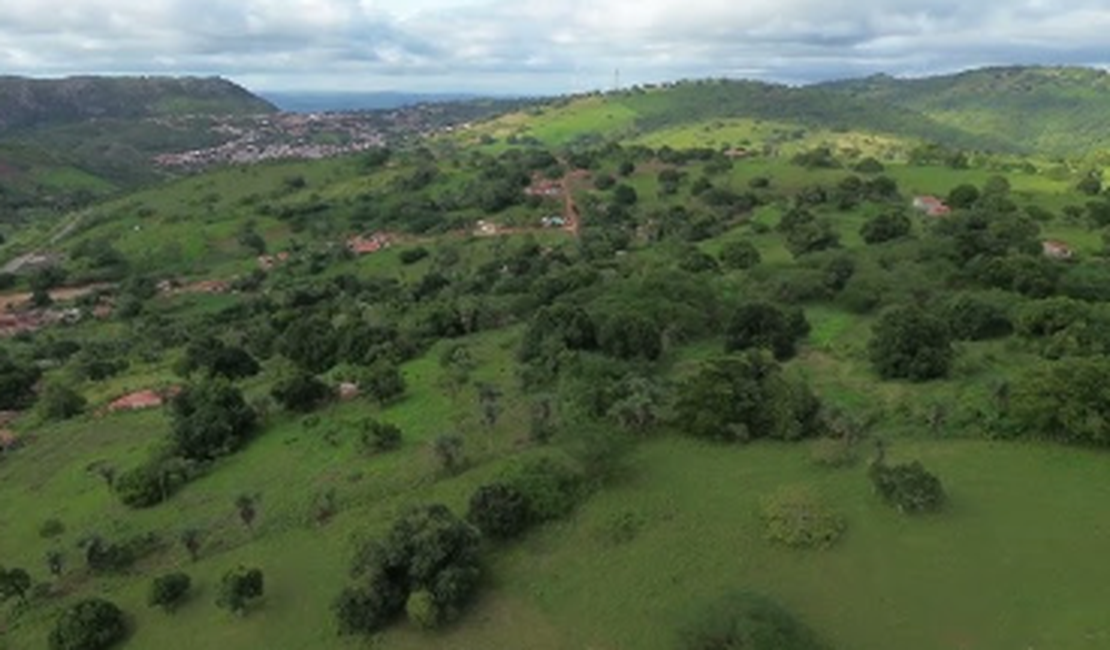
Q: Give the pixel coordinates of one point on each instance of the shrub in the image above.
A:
(238, 588)
(210, 419)
(908, 487)
(763, 325)
(60, 402)
(51, 528)
(152, 483)
(500, 511)
(427, 562)
(302, 392)
(740, 255)
(834, 452)
(744, 398)
(744, 621)
(379, 437)
(91, 624)
(411, 256)
(169, 591)
(796, 517)
(886, 227)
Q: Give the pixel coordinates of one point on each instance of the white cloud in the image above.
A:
(515, 45)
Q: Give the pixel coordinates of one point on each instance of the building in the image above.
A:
(360, 245)
(544, 187)
(931, 206)
(1057, 250)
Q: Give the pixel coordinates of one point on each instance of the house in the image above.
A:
(360, 245)
(348, 391)
(1057, 250)
(931, 206)
(554, 221)
(544, 187)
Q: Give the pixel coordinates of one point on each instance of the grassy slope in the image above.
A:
(978, 577)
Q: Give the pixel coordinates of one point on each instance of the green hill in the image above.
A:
(1057, 110)
(28, 103)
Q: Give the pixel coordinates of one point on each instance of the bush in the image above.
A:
(91, 624)
(169, 591)
(238, 588)
(210, 419)
(500, 511)
(886, 227)
(1065, 401)
(740, 255)
(971, 318)
(834, 452)
(796, 517)
(763, 325)
(60, 402)
(744, 621)
(744, 398)
(429, 553)
(152, 483)
(908, 487)
(379, 437)
(302, 392)
(51, 528)
(411, 256)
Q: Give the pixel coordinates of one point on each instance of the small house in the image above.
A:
(932, 206)
(1057, 250)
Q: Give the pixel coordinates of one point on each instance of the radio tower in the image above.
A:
(617, 80)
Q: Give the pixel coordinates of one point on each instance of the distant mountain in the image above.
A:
(1058, 110)
(319, 102)
(30, 103)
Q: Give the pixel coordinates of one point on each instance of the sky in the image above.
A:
(539, 46)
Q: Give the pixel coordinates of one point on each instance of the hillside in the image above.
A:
(1044, 111)
(1056, 110)
(640, 112)
(29, 103)
(614, 369)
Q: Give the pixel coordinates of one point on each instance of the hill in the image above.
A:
(1056, 110)
(29, 103)
(1047, 111)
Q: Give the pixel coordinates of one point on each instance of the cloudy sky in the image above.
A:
(539, 46)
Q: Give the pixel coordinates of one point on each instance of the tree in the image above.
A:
(60, 401)
(218, 359)
(625, 196)
(1065, 401)
(911, 343)
(192, 539)
(628, 335)
(384, 382)
(886, 227)
(169, 591)
(428, 564)
(740, 255)
(17, 382)
(811, 237)
(246, 506)
(963, 197)
(301, 392)
(448, 450)
(55, 562)
(971, 318)
(14, 583)
(763, 325)
(239, 588)
(499, 510)
(746, 397)
(1091, 185)
(210, 419)
(744, 621)
(379, 437)
(908, 487)
(91, 624)
(489, 401)
(311, 343)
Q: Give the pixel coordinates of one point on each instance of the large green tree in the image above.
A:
(911, 343)
(210, 418)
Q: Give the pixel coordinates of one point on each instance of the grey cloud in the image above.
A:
(538, 46)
